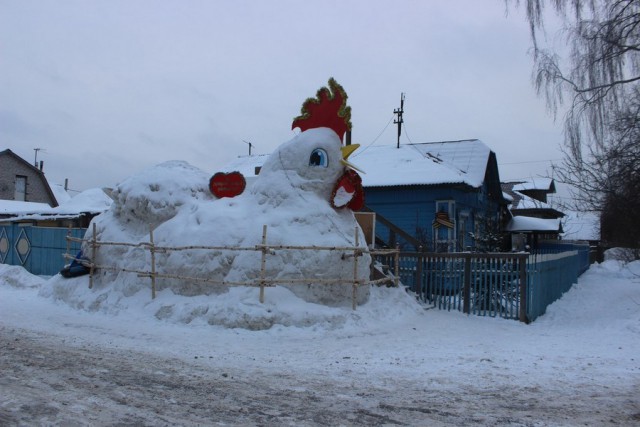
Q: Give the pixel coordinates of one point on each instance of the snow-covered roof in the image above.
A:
(431, 163)
(13, 207)
(545, 184)
(526, 202)
(246, 165)
(527, 224)
(60, 193)
(93, 201)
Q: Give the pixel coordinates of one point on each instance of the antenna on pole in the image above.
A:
(35, 160)
(250, 145)
(399, 120)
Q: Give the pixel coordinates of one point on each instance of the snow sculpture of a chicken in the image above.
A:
(304, 194)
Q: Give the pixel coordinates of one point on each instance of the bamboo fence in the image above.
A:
(262, 281)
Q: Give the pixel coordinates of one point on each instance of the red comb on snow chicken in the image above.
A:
(316, 159)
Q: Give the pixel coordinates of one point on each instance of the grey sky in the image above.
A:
(108, 88)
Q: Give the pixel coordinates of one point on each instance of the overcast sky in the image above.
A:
(108, 88)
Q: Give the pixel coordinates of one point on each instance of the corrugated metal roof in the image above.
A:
(447, 162)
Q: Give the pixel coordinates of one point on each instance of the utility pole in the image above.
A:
(250, 145)
(399, 120)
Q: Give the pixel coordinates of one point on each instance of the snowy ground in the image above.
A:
(391, 362)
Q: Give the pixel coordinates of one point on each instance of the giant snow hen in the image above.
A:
(304, 194)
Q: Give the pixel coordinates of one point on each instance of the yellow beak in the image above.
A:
(347, 150)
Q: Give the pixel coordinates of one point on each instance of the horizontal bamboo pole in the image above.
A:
(384, 280)
(258, 247)
(254, 282)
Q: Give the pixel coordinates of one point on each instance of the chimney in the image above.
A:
(41, 165)
(66, 184)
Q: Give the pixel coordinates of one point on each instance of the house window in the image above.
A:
(21, 188)
(444, 226)
(462, 231)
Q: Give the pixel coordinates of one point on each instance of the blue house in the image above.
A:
(443, 194)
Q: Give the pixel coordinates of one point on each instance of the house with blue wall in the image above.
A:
(441, 193)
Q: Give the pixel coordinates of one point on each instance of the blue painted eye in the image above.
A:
(319, 158)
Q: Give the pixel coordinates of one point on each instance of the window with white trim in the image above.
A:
(444, 226)
(21, 188)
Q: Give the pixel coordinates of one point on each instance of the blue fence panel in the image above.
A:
(555, 246)
(38, 249)
(548, 277)
(443, 282)
(407, 270)
(495, 287)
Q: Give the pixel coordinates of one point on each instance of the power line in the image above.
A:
(357, 153)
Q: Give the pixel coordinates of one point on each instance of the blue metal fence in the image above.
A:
(38, 249)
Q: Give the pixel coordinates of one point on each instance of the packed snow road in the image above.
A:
(47, 380)
(103, 359)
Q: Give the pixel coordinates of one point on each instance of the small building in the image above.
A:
(530, 198)
(534, 220)
(21, 181)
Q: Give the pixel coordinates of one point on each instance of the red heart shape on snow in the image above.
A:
(227, 184)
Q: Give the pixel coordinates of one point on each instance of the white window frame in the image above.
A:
(20, 193)
(451, 233)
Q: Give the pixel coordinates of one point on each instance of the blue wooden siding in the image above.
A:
(413, 208)
(42, 247)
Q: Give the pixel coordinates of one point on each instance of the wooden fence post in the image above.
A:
(523, 287)
(466, 291)
(68, 240)
(396, 279)
(94, 246)
(418, 281)
(263, 273)
(152, 248)
(354, 289)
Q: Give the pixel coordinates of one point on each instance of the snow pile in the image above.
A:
(237, 308)
(18, 277)
(172, 199)
(155, 195)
